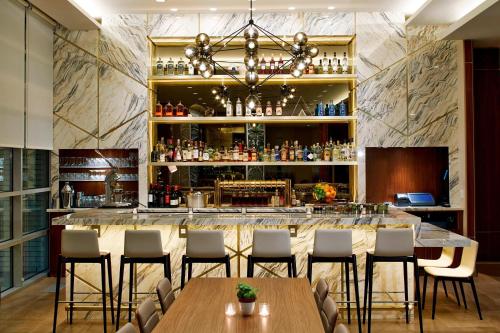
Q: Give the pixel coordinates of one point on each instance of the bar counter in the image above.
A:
(238, 225)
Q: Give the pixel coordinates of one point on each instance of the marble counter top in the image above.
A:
(428, 208)
(233, 216)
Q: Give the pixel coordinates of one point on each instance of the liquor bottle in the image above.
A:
(201, 152)
(283, 153)
(161, 149)
(190, 68)
(239, 109)
(159, 67)
(158, 110)
(327, 153)
(262, 66)
(343, 109)
(186, 68)
(236, 152)
(269, 109)
(258, 109)
(345, 64)
(336, 66)
(180, 110)
(327, 110)
(320, 67)
(254, 153)
(170, 67)
(305, 154)
(272, 65)
(154, 153)
(174, 197)
(248, 111)
(300, 154)
(316, 110)
(334, 62)
(325, 63)
(281, 63)
(178, 151)
(196, 152)
(310, 68)
(330, 68)
(151, 195)
(321, 111)
(309, 156)
(331, 110)
(277, 153)
(168, 110)
(291, 153)
(170, 150)
(167, 198)
(229, 108)
(279, 109)
(180, 67)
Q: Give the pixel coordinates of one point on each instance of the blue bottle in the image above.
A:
(331, 110)
(321, 110)
(277, 155)
(316, 110)
(343, 109)
(305, 153)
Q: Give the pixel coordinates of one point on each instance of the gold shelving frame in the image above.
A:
(253, 120)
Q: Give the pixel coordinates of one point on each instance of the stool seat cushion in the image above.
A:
(143, 244)
(440, 262)
(271, 244)
(459, 272)
(127, 328)
(79, 244)
(332, 243)
(341, 328)
(205, 244)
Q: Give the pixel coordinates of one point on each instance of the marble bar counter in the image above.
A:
(238, 225)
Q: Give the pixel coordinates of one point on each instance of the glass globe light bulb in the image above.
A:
(307, 60)
(284, 99)
(300, 38)
(251, 102)
(251, 32)
(214, 91)
(251, 46)
(217, 97)
(202, 39)
(206, 50)
(203, 65)
(296, 73)
(251, 78)
(300, 63)
(251, 61)
(208, 73)
(195, 61)
(312, 50)
(290, 96)
(190, 51)
(296, 49)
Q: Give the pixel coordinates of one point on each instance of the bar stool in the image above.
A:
(82, 246)
(127, 328)
(165, 294)
(140, 247)
(444, 261)
(392, 245)
(272, 246)
(329, 314)
(204, 246)
(334, 246)
(320, 293)
(146, 315)
(463, 273)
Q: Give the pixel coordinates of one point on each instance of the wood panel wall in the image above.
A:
(393, 170)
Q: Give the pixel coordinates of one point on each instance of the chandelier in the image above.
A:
(202, 56)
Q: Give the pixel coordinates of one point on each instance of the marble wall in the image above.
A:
(408, 91)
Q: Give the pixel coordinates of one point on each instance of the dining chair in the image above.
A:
(335, 246)
(165, 294)
(392, 246)
(462, 274)
(272, 246)
(204, 246)
(329, 314)
(320, 293)
(341, 328)
(127, 328)
(444, 260)
(146, 315)
(140, 247)
(82, 246)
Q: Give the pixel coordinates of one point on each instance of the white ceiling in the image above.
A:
(99, 7)
(442, 11)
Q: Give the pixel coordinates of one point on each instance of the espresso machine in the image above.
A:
(113, 189)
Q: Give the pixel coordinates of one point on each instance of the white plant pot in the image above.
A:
(247, 308)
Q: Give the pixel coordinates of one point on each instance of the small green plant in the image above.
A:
(246, 291)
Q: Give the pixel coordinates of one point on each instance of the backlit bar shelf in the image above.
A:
(254, 120)
(231, 163)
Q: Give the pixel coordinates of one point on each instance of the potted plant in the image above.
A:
(246, 295)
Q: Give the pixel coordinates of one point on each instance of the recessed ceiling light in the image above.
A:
(213, 9)
(291, 8)
(173, 9)
(252, 9)
(160, 0)
(195, 93)
(190, 87)
(331, 7)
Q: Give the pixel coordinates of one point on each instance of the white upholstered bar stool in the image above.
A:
(335, 246)
(204, 246)
(445, 260)
(82, 246)
(272, 246)
(392, 245)
(140, 247)
(463, 273)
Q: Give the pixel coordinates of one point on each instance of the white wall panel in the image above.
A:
(11, 74)
(39, 63)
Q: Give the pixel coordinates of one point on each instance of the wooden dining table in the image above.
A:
(200, 307)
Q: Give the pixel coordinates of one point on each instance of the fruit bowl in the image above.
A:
(324, 192)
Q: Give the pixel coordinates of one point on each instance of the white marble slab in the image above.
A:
(380, 41)
(420, 36)
(69, 136)
(75, 85)
(384, 97)
(85, 39)
(124, 44)
(169, 25)
(433, 84)
(120, 99)
(222, 24)
(286, 24)
(374, 133)
(329, 23)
